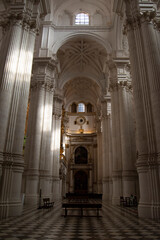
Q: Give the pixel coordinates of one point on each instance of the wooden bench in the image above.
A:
(47, 203)
(81, 205)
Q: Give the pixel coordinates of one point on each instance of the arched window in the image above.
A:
(74, 108)
(81, 107)
(89, 108)
(82, 19)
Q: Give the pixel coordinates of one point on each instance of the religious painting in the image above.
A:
(81, 155)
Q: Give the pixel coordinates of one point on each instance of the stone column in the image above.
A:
(116, 137)
(56, 137)
(95, 166)
(128, 143)
(71, 181)
(105, 151)
(150, 32)
(145, 59)
(38, 144)
(99, 157)
(110, 157)
(90, 185)
(15, 71)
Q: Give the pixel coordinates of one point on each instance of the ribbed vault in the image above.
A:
(81, 56)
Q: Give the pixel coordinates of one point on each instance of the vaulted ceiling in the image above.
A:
(81, 89)
(83, 58)
(102, 7)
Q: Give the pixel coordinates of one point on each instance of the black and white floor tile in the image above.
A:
(115, 223)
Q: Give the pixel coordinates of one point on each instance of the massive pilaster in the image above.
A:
(128, 141)
(106, 128)
(116, 137)
(95, 166)
(123, 134)
(110, 158)
(38, 153)
(99, 156)
(56, 137)
(145, 60)
(20, 26)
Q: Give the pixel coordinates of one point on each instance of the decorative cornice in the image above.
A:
(44, 74)
(12, 160)
(47, 62)
(145, 161)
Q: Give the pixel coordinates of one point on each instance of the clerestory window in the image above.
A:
(82, 19)
(81, 107)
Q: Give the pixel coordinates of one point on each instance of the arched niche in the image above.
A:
(74, 107)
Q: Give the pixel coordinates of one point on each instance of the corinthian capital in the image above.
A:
(46, 85)
(26, 13)
(113, 87)
(132, 9)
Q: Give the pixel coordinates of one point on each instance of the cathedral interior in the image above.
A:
(79, 119)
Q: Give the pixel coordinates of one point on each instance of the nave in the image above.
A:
(115, 223)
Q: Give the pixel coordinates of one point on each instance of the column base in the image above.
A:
(31, 199)
(56, 189)
(117, 187)
(149, 211)
(45, 184)
(10, 209)
(99, 187)
(115, 201)
(106, 190)
(130, 183)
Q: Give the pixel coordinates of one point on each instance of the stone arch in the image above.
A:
(57, 45)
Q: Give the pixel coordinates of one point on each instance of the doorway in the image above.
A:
(81, 182)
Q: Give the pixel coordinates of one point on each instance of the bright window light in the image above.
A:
(82, 19)
(81, 107)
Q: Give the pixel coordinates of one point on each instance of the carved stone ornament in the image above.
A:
(21, 14)
(80, 120)
(113, 87)
(121, 84)
(135, 22)
(12, 160)
(125, 84)
(46, 85)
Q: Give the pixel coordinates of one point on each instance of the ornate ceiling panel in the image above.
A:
(82, 55)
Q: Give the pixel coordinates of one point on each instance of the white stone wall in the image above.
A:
(88, 126)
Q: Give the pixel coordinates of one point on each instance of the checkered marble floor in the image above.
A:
(114, 223)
